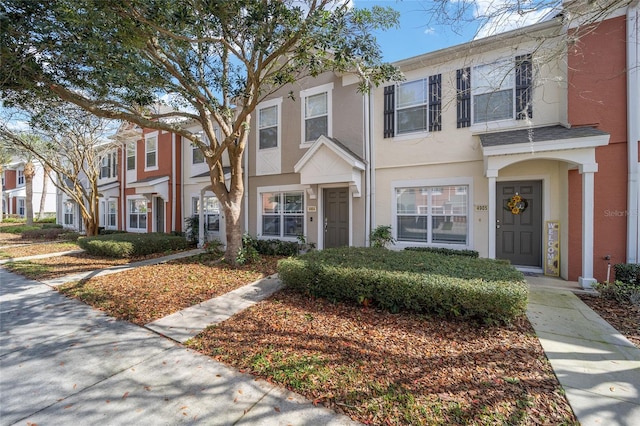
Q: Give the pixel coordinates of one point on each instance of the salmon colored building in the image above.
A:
(603, 92)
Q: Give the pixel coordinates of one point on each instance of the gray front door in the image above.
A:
(159, 210)
(336, 217)
(519, 222)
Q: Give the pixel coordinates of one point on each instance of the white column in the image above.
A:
(491, 177)
(586, 280)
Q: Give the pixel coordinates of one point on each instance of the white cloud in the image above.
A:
(429, 30)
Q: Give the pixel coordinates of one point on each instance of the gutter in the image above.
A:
(367, 161)
(633, 130)
(173, 182)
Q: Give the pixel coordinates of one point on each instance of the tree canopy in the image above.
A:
(210, 61)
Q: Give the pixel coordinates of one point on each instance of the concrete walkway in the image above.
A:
(63, 362)
(598, 368)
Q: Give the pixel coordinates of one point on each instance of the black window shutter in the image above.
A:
(435, 103)
(463, 98)
(524, 79)
(389, 111)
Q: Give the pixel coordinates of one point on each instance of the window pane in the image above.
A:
(412, 119)
(449, 229)
(411, 200)
(413, 93)
(142, 221)
(293, 203)
(315, 127)
(133, 221)
(412, 228)
(270, 202)
(448, 200)
(271, 225)
(293, 226)
(151, 159)
(316, 105)
(268, 117)
(197, 156)
(492, 77)
(131, 157)
(493, 106)
(269, 137)
(213, 222)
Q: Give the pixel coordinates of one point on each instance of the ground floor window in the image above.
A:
(138, 214)
(432, 215)
(22, 209)
(211, 212)
(110, 218)
(67, 209)
(282, 214)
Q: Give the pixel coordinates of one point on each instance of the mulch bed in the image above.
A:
(37, 248)
(148, 293)
(382, 368)
(623, 317)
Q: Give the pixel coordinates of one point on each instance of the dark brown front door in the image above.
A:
(159, 210)
(336, 217)
(519, 222)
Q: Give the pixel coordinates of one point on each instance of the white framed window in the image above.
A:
(151, 152)
(67, 208)
(211, 212)
(197, 156)
(20, 176)
(138, 214)
(22, 207)
(412, 107)
(109, 166)
(268, 124)
(111, 214)
(436, 214)
(282, 214)
(493, 92)
(131, 156)
(316, 113)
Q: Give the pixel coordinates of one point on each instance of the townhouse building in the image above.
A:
(14, 195)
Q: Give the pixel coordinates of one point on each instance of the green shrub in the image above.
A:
(381, 236)
(620, 291)
(103, 231)
(628, 273)
(50, 225)
(445, 251)
(414, 281)
(132, 245)
(51, 218)
(50, 234)
(18, 229)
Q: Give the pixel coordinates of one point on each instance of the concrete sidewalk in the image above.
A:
(598, 368)
(63, 362)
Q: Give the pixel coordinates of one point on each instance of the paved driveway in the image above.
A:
(62, 362)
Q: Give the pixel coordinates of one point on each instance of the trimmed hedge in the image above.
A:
(413, 281)
(628, 273)
(445, 251)
(50, 233)
(132, 245)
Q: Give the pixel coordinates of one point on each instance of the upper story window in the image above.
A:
(316, 113)
(20, 176)
(414, 106)
(268, 127)
(492, 92)
(197, 156)
(109, 166)
(131, 156)
(67, 213)
(151, 152)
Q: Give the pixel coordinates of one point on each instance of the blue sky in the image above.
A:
(416, 35)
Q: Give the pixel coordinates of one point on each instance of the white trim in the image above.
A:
(328, 88)
(547, 146)
(128, 213)
(269, 155)
(633, 132)
(455, 181)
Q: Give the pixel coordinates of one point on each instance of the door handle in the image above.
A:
(497, 223)
(326, 223)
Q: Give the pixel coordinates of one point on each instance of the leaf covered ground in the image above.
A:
(35, 249)
(624, 317)
(382, 368)
(148, 293)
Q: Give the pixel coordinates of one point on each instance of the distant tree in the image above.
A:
(69, 142)
(213, 60)
(45, 188)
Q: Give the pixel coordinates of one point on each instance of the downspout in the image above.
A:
(173, 182)
(123, 183)
(633, 130)
(367, 161)
(372, 164)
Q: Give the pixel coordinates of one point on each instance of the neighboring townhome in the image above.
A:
(307, 164)
(604, 92)
(14, 194)
(152, 183)
(475, 151)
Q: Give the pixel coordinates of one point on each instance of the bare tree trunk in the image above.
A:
(45, 184)
(29, 173)
(232, 215)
